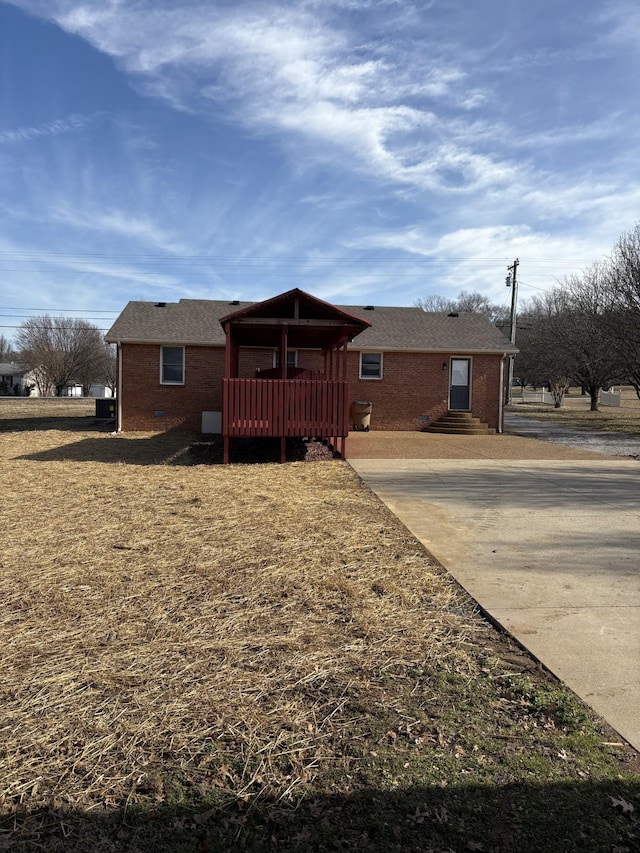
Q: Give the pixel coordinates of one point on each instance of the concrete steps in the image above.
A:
(459, 423)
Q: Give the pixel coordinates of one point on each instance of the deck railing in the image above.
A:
(285, 407)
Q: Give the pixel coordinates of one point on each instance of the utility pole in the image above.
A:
(512, 282)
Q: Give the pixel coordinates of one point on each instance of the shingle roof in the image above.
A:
(197, 322)
(11, 368)
(415, 329)
(190, 321)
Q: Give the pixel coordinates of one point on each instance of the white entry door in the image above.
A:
(459, 389)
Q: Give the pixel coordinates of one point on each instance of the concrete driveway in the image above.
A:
(549, 547)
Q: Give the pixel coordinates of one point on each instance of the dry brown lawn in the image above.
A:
(184, 645)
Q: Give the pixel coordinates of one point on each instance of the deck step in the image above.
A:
(443, 430)
(459, 423)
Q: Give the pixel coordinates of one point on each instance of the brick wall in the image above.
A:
(149, 406)
(486, 389)
(252, 360)
(414, 387)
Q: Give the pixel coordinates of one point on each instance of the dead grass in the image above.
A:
(194, 655)
(575, 413)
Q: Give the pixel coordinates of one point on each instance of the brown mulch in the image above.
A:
(208, 450)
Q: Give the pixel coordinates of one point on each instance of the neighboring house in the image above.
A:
(175, 358)
(75, 390)
(12, 378)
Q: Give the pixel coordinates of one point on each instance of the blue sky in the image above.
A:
(367, 151)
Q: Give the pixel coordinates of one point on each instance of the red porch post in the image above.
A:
(343, 348)
(231, 369)
(225, 393)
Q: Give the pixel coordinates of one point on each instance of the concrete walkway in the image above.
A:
(549, 547)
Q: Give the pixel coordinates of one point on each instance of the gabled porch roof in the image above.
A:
(309, 322)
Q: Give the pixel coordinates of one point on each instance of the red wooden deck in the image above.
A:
(289, 402)
(309, 408)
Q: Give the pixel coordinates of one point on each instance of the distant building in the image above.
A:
(12, 378)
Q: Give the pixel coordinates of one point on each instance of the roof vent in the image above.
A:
(369, 307)
(161, 305)
(235, 302)
(453, 314)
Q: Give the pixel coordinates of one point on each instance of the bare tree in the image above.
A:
(595, 353)
(465, 302)
(90, 357)
(435, 303)
(572, 341)
(625, 265)
(6, 349)
(59, 350)
(625, 318)
(476, 303)
(587, 330)
(540, 359)
(107, 372)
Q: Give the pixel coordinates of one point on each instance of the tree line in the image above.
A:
(61, 351)
(584, 332)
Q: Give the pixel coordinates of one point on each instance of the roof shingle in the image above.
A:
(197, 322)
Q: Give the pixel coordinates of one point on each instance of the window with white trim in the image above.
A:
(172, 365)
(292, 358)
(370, 365)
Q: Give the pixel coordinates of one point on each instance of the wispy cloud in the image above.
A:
(620, 22)
(69, 124)
(475, 258)
(282, 68)
(441, 132)
(123, 272)
(576, 134)
(118, 224)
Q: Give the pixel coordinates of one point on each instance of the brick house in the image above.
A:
(412, 366)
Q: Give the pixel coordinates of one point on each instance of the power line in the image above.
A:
(87, 313)
(22, 308)
(262, 258)
(533, 286)
(34, 317)
(239, 260)
(63, 328)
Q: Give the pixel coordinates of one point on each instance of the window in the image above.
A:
(370, 365)
(172, 365)
(292, 358)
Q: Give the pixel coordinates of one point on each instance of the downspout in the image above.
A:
(501, 396)
(119, 390)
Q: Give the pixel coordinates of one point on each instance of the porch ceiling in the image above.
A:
(309, 322)
(301, 334)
